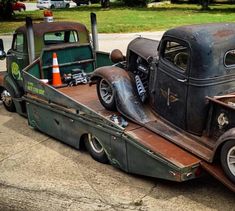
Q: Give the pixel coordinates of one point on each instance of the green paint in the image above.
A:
(15, 71)
(31, 87)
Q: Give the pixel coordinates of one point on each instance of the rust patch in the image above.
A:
(165, 148)
(2, 75)
(110, 73)
(224, 33)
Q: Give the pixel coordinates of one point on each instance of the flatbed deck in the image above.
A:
(87, 95)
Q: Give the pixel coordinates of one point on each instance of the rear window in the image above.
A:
(229, 58)
(60, 37)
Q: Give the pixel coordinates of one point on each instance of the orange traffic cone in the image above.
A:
(56, 79)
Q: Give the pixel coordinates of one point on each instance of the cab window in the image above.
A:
(176, 54)
(18, 44)
(60, 37)
(229, 58)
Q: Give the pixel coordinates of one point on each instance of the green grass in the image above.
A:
(122, 19)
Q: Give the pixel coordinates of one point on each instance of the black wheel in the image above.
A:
(95, 149)
(8, 101)
(227, 158)
(67, 5)
(52, 6)
(106, 94)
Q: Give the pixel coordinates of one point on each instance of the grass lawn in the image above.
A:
(122, 19)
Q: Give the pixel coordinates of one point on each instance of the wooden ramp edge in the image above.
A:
(216, 171)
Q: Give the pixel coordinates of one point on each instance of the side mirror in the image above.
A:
(2, 52)
(116, 56)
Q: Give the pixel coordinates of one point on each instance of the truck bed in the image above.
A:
(87, 95)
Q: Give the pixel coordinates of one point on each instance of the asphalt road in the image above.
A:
(38, 172)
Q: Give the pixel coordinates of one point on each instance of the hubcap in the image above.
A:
(106, 91)
(6, 98)
(231, 160)
(96, 146)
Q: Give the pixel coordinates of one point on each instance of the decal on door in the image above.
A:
(15, 71)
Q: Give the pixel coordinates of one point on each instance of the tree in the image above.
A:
(105, 3)
(132, 3)
(6, 10)
(205, 4)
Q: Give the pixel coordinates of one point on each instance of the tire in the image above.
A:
(227, 158)
(8, 101)
(106, 94)
(96, 150)
(52, 7)
(67, 6)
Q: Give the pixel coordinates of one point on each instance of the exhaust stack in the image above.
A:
(94, 31)
(30, 39)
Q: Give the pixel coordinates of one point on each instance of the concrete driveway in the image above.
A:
(40, 173)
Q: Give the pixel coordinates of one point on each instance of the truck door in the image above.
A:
(172, 81)
(17, 57)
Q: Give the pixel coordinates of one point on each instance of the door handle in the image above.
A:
(182, 80)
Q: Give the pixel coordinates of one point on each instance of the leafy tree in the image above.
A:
(6, 10)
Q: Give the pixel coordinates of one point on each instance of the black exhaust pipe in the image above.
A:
(94, 31)
(30, 39)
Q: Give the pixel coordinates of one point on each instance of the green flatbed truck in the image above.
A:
(74, 115)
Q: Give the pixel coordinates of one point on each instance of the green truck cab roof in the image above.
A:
(40, 29)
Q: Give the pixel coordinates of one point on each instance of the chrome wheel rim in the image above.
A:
(6, 98)
(95, 145)
(231, 160)
(106, 91)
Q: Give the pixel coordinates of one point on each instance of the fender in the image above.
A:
(228, 135)
(10, 84)
(2, 76)
(128, 102)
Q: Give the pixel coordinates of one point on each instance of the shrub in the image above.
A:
(132, 3)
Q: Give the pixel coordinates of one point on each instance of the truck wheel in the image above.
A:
(67, 5)
(7, 101)
(106, 94)
(96, 150)
(52, 6)
(228, 159)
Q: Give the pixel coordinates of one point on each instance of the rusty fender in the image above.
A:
(228, 135)
(2, 76)
(127, 99)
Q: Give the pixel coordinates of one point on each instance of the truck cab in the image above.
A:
(175, 85)
(45, 35)
(29, 41)
(194, 62)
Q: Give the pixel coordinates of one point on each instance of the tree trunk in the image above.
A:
(105, 3)
(205, 4)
